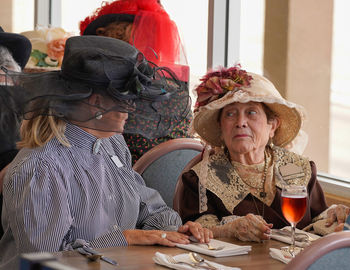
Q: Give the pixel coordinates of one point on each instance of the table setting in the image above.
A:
(216, 248)
(188, 261)
(193, 260)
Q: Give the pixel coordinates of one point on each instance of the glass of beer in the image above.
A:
(293, 203)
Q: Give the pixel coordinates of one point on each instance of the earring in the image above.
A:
(98, 115)
(270, 143)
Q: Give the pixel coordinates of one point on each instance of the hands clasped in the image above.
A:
(169, 238)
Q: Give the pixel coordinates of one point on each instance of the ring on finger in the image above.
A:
(163, 235)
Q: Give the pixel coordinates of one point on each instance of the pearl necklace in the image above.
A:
(262, 193)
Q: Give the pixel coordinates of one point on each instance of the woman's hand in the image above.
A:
(338, 213)
(203, 235)
(248, 228)
(153, 237)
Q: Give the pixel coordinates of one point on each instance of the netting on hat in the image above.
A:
(153, 32)
(153, 96)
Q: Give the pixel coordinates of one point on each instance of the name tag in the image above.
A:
(291, 171)
(117, 161)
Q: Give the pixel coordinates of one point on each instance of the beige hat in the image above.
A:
(250, 87)
(48, 45)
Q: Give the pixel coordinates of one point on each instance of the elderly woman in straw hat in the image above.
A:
(72, 183)
(236, 192)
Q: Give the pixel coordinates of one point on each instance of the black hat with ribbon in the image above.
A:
(114, 70)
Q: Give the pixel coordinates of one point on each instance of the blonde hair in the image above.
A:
(39, 130)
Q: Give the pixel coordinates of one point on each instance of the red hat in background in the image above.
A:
(153, 32)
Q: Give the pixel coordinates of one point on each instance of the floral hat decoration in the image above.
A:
(224, 86)
(47, 47)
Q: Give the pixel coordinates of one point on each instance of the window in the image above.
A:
(252, 35)
(192, 22)
(22, 16)
(72, 12)
(339, 161)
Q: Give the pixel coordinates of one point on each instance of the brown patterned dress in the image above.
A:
(234, 189)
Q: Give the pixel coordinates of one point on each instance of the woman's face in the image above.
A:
(245, 128)
(118, 119)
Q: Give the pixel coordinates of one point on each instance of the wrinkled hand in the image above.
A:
(338, 213)
(248, 228)
(154, 237)
(339, 228)
(203, 235)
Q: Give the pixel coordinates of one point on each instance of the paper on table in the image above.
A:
(160, 258)
(287, 239)
(228, 250)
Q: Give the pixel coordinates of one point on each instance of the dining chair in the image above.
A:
(161, 166)
(329, 252)
(179, 188)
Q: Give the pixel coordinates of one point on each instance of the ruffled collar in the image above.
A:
(225, 179)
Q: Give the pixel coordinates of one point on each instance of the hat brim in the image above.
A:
(18, 45)
(206, 122)
(104, 20)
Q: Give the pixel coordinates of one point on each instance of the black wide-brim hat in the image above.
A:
(106, 19)
(115, 70)
(19, 46)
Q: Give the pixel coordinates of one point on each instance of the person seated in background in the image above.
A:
(236, 192)
(147, 26)
(14, 53)
(72, 178)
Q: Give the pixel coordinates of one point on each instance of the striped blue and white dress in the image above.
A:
(55, 194)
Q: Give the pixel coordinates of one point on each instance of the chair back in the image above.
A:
(179, 189)
(161, 166)
(329, 252)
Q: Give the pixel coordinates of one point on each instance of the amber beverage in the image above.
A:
(294, 207)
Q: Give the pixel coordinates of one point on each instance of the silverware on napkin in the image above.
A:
(209, 246)
(172, 260)
(95, 255)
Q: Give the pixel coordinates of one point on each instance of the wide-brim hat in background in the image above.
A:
(291, 115)
(48, 45)
(18, 45)
(123, 79)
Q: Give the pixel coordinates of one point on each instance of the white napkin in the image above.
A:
(283, 256)
(287, 239)
(228, 250)
(278, 255)
(160, 258)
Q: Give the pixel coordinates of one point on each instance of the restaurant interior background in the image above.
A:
(302, 46)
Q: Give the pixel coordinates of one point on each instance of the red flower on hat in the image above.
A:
(55, 49)
(216, 83)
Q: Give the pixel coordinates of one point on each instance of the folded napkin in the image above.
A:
(228, 250)
(282, 256)
(161, 259)
(278, 235)
(278, 255)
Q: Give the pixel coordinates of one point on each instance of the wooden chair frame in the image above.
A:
(161, 149)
